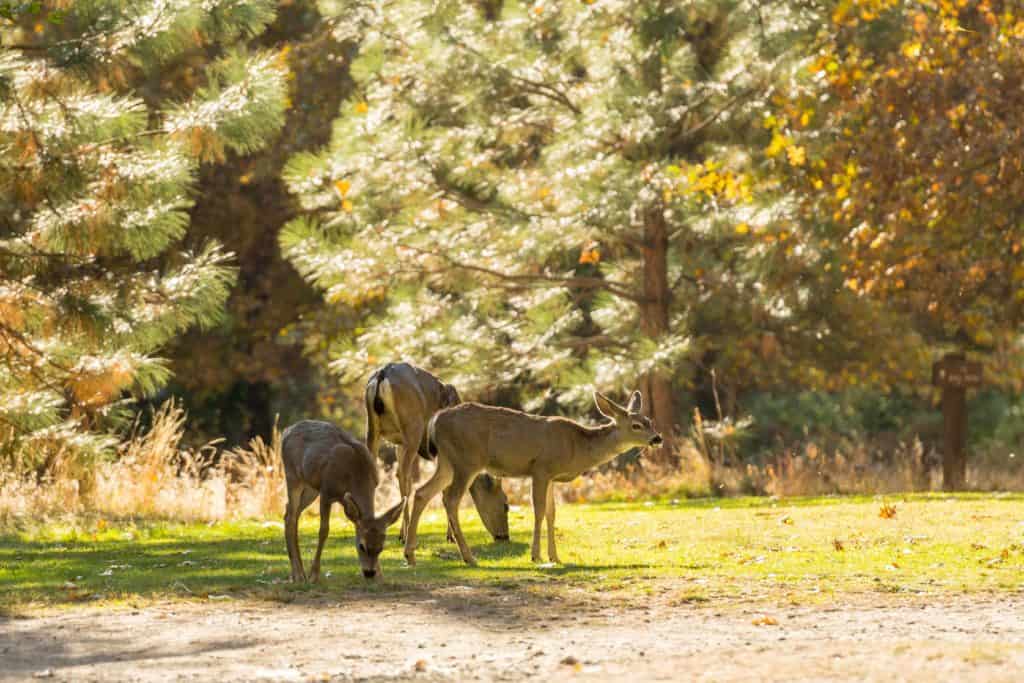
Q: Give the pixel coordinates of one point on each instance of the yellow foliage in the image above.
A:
(797, 155)
(778, 144)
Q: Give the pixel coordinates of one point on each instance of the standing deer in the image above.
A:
(472, 437)
(400, 400)
(323, 460)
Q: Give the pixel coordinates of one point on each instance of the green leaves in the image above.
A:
(96, 187)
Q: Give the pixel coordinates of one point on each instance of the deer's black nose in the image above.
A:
(656, 441)
(501, 537)
(369, 573)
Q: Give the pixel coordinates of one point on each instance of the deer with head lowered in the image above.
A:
(400, 400)
(323, 460)
(471, 438)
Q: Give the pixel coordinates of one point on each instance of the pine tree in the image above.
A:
(95, 189)
(547, 195)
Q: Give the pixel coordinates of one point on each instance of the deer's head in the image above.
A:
(631, 427)
(370, 534)
(492, 504)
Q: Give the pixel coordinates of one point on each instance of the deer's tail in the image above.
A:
(374, 409)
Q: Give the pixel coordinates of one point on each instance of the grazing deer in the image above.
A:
(400, 400)
(471, 438)
(323, 460)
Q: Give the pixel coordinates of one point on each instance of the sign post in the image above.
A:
(955, 374)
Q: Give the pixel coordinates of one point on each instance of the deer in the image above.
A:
(400, 400)
(323, 460)
(470, 438)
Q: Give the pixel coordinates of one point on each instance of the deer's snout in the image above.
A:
(369, 573)
(656, 440)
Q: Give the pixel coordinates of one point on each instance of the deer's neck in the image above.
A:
(600, 445)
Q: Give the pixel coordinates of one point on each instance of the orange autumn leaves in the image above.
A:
(341, 188)
(903, 143)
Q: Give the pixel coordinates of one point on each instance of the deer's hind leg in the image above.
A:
(442, 477)
(550, 518)
(299, 498)
(408, 470)
(325, 529)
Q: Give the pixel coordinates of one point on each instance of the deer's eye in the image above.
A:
(362, 548)
(637, 427)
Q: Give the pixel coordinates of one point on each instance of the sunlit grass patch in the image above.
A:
(686, 552)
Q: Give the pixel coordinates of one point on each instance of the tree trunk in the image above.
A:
(657, 385)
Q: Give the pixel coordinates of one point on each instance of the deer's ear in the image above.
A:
(450, 396)
(392, 515)
(352, 511)
(636, 403)
(605, 405)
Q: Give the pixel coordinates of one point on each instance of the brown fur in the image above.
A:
(472, 437)
(322, 460)
(400, 400)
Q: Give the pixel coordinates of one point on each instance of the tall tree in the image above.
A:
(902, 139)
(542, 194)
(96, 188)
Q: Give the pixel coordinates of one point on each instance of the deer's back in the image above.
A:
(317, 452)
(504, 441)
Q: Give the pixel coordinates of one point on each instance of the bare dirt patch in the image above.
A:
(464, 633)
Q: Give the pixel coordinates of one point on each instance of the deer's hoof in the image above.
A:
(410, 559)
(471, 561)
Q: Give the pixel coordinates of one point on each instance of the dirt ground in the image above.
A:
(463, 633)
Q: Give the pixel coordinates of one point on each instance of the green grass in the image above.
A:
(798, 550)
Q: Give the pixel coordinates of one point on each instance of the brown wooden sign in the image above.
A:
(956, 373)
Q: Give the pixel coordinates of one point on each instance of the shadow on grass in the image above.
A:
(253, 565)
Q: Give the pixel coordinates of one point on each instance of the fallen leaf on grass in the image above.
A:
(887, 511)
(838, 545)
(786, 520)
(765, 620)
(420, 665)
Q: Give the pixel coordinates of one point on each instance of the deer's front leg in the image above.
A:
(552, 551)
(540, 501)
(325, 529)
(452, 497)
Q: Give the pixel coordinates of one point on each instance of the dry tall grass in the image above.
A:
(154, 476)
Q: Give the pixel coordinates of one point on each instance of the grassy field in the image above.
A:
(794, 550)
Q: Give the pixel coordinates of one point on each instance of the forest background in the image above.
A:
(771, 217)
